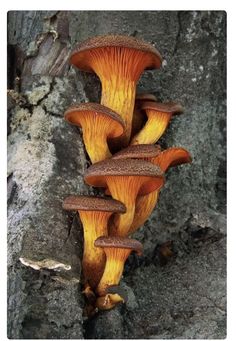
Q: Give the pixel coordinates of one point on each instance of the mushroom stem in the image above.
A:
(119, 69)
(94, 225)
(96, 144)
(153, 129)
(119, 94)
(116, 258)
(145, 204)
(143, 208)
(127, 196)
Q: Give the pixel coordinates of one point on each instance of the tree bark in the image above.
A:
(184, 298)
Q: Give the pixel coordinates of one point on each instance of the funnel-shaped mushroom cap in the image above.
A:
(117, 250)
(88, 203)
(99, 123)
(96, 175)
(145, 204)
(119, 62)
(94, 214)
(78, 113)
(138, 151)
(79, 56)
(125, 179)
(171, 157)
(159, 115)
(119, 243)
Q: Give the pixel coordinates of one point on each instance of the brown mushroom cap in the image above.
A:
(119, 242)
(75, 111)
(138, 151)
(145, 97)
(79, 54)
(88, 203)
(170, 107)
(96, 174)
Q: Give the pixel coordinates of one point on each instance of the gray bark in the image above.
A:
(184, 297)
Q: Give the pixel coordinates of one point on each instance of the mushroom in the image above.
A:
(94, 213)
(125, 179)
(159, 115)
(164, 159)
(98, 123)
(118, 61)
(138, 116)
(145, 204)
(117, 250)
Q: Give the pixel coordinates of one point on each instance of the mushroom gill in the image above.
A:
(98, 123)
(145, 204)
(118, 61)
(94, 213)
(125, 179)
(159, 115)
(117, 250)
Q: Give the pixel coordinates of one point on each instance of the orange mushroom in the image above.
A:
(94, 213)
(159, 115)
(98, 124)
(138, 116)
(168, 158)
(125, 179)
(117, 250)
(118, 61)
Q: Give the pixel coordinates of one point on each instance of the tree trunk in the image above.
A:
(180, 297)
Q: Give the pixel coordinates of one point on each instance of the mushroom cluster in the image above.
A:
(119, 135)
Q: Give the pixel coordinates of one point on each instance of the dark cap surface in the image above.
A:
(170, 107)
(78, 55)
(119, 242)
(138, 151)
(88, 203)
(96, 174)
(73, 113)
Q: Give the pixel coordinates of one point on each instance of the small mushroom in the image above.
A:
(98, 123)
(94, 213)
(117, 250)
(138, 116)
(125, 179)
(164, 159)
(118, 61)
(145, 204)
(159, 115)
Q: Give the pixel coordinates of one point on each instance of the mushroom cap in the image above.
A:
(169, 107)
(119, 242)
(74, 112)
(145, 97)
(96, 174)
(138, 151)
(78, 56)
(88, 203)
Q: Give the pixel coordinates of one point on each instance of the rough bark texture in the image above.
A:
(180, 297)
